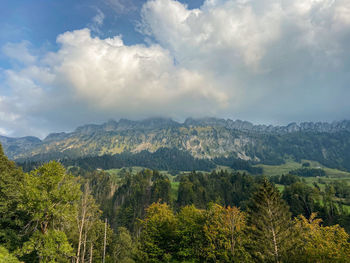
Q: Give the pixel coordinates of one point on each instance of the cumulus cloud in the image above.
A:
(291, 52)
(246, 30)
(266, 60)
(91, 77)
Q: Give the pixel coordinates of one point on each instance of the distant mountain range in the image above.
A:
(328, 143)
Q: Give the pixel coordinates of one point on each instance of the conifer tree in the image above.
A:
(270, 225)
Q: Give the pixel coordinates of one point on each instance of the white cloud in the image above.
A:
(98, 19)
(103, 77)
(244, 31)
(262, 50)
(227, 28)
(262, 60)
(19, 52)
(97, 22)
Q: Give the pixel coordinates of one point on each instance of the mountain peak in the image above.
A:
(222, 137)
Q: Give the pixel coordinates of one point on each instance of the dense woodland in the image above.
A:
(172, 160)
(53, 215)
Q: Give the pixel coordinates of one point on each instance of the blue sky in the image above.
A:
(40, 21)
(64, 63)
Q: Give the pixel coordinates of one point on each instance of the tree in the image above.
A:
(190, 235)
(12, 219)
(158, 235)
(270, 226)
(50, 247)
(124, 248)
(5, 256)
(301, 198)
(305, 164)
(50, 199)
(161, 188)
(95, 242)
(321, 244)
(223, 230)
(88, 214)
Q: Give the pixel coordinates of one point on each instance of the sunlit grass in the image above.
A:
(272, 170)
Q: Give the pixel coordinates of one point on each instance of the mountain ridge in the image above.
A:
(202, 138)
(125, 124)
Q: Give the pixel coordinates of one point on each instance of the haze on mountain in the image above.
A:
(67, 63)
(156, 141)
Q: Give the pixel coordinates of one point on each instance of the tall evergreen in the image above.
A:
(270, 225)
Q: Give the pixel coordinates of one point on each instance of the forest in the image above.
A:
(55, 213)
(168, 159)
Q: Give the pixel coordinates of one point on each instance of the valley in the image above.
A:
(156, 181)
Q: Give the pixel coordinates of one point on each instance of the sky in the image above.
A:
(65, 63)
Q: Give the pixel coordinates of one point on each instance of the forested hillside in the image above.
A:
(120, 140)
(171, 160)
(54, 215)
(210, 138)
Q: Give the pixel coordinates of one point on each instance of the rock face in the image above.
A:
(17, 146)
(203, 138)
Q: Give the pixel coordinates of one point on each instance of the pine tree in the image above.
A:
(270, 225)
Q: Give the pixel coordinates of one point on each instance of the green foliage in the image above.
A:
(305, 164)
(12, 219)
(50, 247)
(308, 172)
(342, 189)
(96, 241)
(224, 235)
(50, 197)
(6, 257)
(124, 248)
(193, 235)
(158, 235)
(238, 164)
(169, 159)
(284, 179)
(221, 187)
(302, 199)
(321, 244)
(135, 194)
(47, 216)
(87, 218)
(190, 234)
(270, 226)
(161, 188)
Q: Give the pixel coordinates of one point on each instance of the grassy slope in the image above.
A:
(331, 174)
(269, 170)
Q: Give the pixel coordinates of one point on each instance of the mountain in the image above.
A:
(16, 146)
(328, 143)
